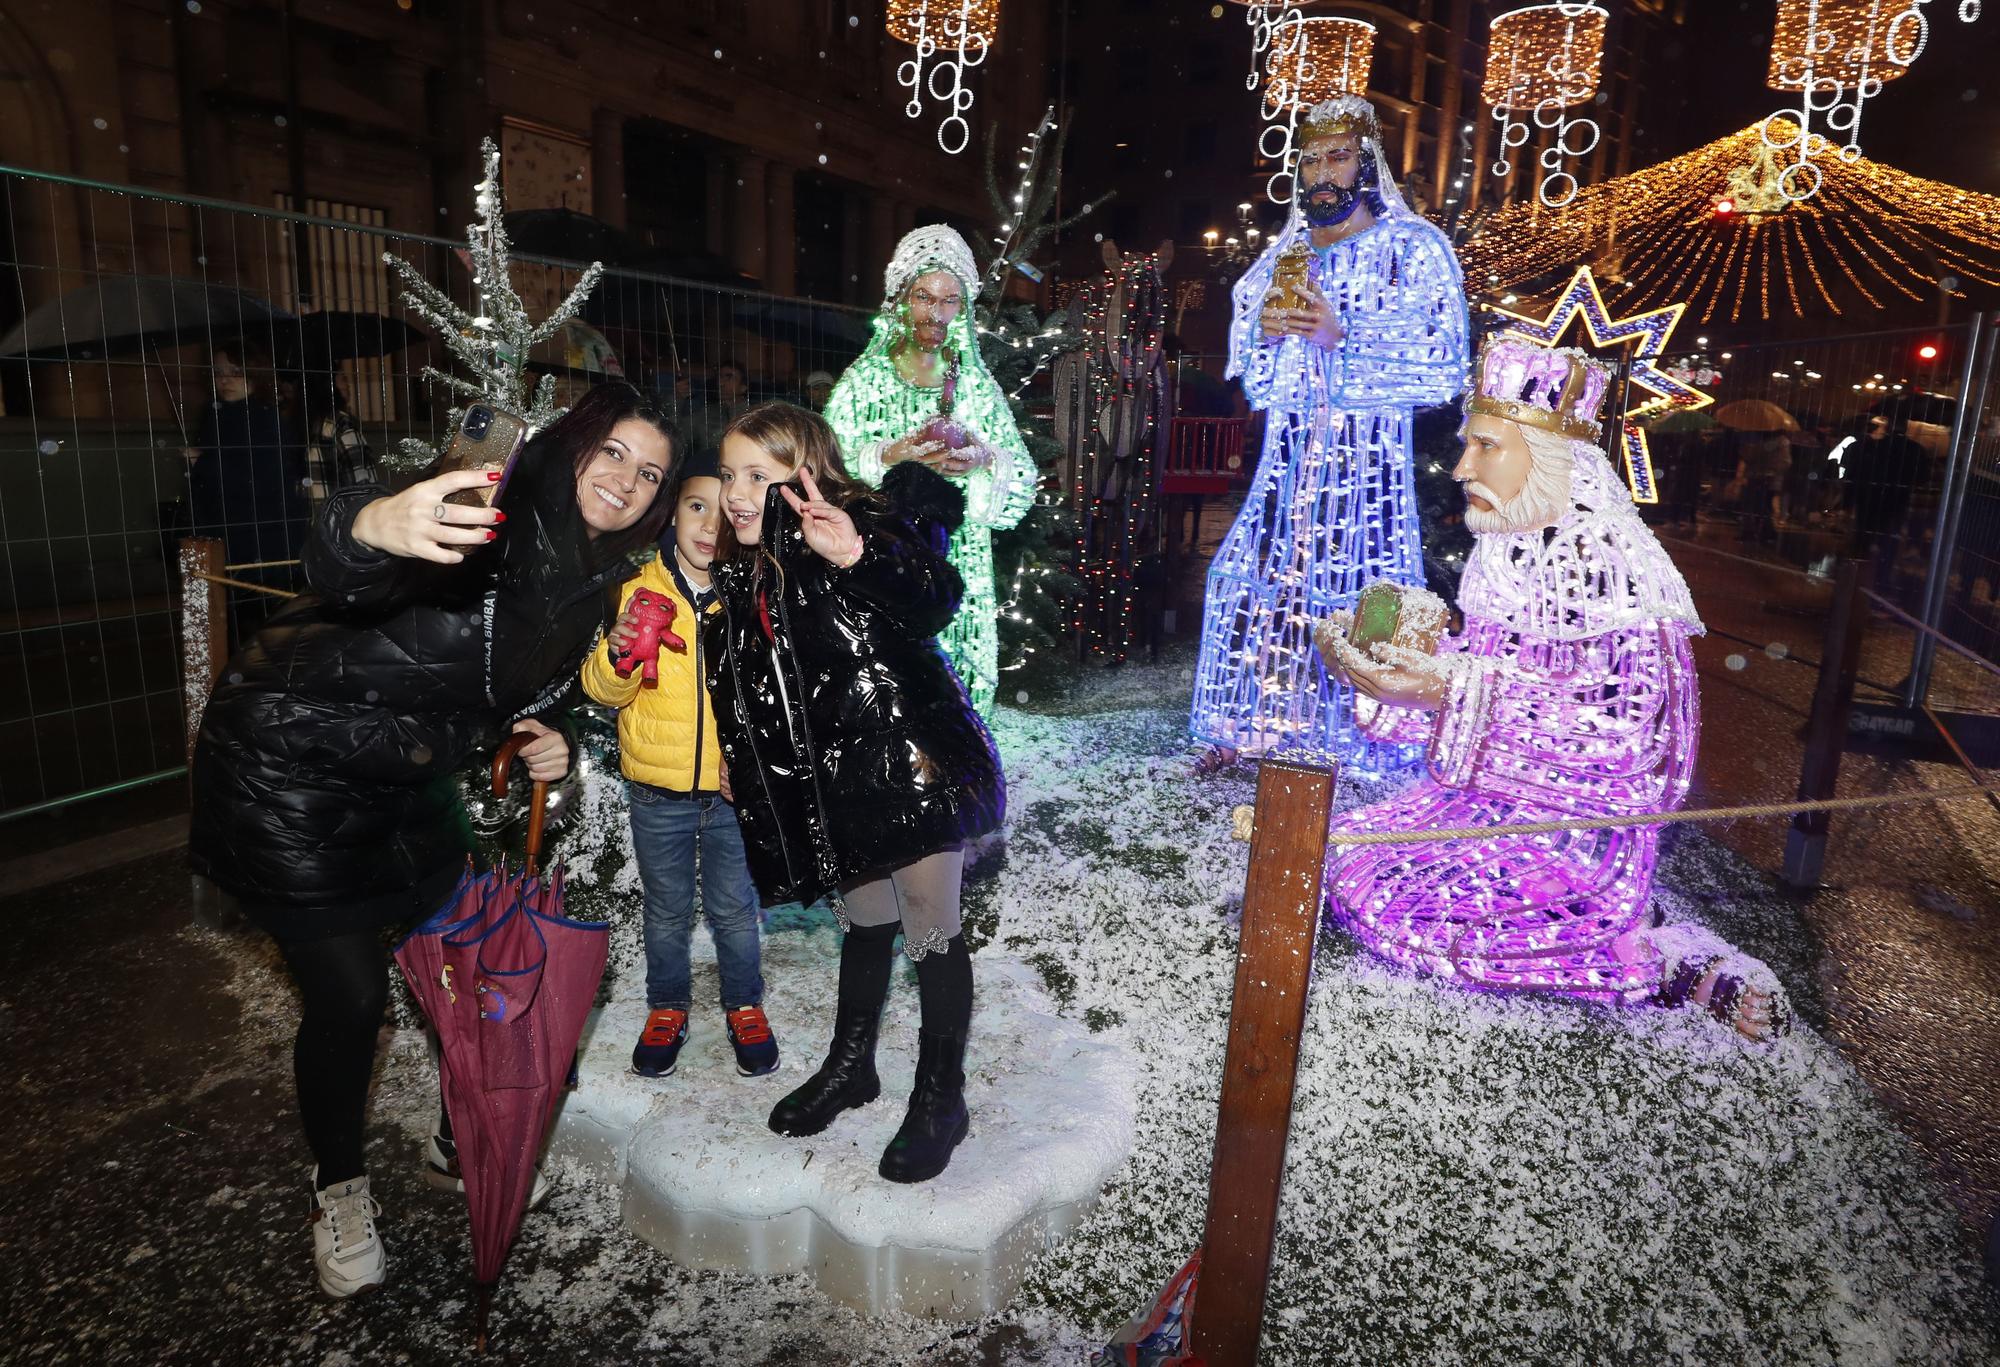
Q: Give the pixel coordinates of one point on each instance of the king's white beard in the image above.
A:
(1542, 502)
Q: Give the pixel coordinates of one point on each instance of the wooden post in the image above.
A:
(1826, 728)
(1281, 912)
(204, 627)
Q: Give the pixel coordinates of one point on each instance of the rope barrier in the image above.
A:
(263, 565)
(1612, 823)
(1967, 651)
(240, 584)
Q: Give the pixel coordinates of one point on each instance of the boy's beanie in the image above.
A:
(699, 462)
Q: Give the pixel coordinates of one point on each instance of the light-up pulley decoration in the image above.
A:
(950, 37)
(1648, 334)
(1541, 62)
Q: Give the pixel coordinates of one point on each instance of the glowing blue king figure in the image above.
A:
(1352, 317)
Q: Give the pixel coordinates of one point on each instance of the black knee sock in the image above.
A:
(867, 953)
(944, 987)
(344, 990)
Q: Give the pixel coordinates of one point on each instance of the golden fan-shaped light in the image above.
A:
(1544, 53)
(939, 21)
(1316, 59)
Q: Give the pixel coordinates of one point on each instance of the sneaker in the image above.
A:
(441, 1171)
(346, 1249)
(659, 1046)
(750, 1036)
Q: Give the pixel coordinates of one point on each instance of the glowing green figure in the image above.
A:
(883, 405)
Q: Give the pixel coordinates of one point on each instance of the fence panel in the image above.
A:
(143, 318)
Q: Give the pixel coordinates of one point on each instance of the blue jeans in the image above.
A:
(670, 834)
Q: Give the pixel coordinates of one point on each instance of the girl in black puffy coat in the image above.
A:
(323, 793)
(858, 767)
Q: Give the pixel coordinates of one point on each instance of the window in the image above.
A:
(346, 275)
(1198, 143)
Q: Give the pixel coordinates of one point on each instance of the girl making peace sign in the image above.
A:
(858, 766)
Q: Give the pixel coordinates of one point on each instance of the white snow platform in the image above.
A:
(704, 1178)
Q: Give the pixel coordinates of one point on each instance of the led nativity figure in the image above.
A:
(921, 392)
(1569, 693)
(1114, 401)
(1352, 317)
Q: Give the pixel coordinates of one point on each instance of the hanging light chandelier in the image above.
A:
(950, 38)
(1321, 59)
(1541, 62)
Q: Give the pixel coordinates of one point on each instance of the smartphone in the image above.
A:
(488, 438)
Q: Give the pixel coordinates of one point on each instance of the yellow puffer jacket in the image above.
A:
(666, 735)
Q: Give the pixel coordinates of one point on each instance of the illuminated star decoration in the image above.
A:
(1651, 331)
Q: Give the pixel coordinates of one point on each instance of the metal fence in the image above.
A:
(129, 313)
(1878, 445)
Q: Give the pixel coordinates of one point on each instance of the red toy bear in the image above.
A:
(653, 615)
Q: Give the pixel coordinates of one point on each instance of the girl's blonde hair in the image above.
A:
(801, 439)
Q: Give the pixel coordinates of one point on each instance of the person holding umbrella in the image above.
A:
(322, 774)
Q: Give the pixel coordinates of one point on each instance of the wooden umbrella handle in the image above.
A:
(538, 804)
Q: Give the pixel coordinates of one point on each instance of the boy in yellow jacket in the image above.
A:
(682, 826)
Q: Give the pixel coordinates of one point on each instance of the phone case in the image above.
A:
(496, 449)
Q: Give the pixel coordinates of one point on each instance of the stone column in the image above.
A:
(747, 231)
(781, 230)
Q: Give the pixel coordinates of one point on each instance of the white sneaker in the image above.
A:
(346, 1249)
(441, 1171)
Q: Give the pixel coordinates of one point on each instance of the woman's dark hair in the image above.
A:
(803, 440)
(580, 434)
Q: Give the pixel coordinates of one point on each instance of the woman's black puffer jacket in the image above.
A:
(851, 746)
(323, 769)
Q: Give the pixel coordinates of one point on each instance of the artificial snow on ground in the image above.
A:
(1471, 1179)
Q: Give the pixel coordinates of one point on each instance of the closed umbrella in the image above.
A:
(506, 981)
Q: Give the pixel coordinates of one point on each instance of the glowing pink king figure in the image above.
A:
(1571, 692)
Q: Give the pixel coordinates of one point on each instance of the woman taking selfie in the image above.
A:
(323, 791)
(858, 766)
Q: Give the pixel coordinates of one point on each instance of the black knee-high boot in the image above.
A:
(936, 1120)
(847, 1079)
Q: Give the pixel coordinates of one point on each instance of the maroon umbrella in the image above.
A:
(506, 980)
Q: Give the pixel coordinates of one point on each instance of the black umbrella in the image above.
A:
(121, 314)
(811, 327)
(568, 235)
(318, 340)
(1914, 405)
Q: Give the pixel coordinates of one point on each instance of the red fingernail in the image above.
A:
(499, 517)
(491, 535)
(492, 476)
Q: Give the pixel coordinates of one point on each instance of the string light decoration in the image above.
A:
(1333, 504)
(1570, 693)
(873, 406)
(1648, 335)
(950, 37)
(1325, 58)
(1543, 60)
(1277, 63)
(1837, 55)
(1874, 236)
(1112, 411)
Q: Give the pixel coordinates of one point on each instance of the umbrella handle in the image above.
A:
(538, 805)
